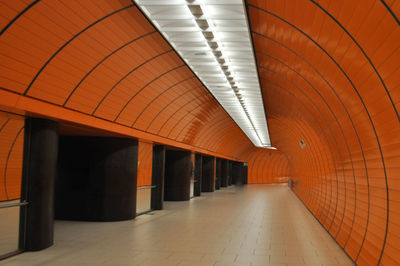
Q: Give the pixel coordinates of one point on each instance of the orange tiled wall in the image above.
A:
(330, 76)
(11, 143)
(145, 161)
(101, 63)
(330, 72)
(266, 166)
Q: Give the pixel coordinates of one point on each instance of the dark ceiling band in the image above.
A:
(190, 122)
(209, 116)
(216, 142)
(190, 112)
(18, 16)
(4, 124)
(8, 158)
(169, 104)
(391, 11)
(217, 122)
(145, 86)
(364, 53)
(69, 41)
(127, 75)
(104, 59)
(158, 96)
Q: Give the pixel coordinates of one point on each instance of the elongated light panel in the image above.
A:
(213, 38)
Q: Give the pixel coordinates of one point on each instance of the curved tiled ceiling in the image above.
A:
(330, 73)
(213, 38)
(104, 59)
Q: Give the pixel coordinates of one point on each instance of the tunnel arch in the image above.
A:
(334, 46)
(330, 77)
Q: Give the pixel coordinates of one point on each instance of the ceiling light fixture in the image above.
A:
(212, 37)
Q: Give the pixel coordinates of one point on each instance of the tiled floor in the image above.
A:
(9, 227)
(254, 225)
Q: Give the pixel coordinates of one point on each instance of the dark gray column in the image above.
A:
(229, 173)
(208, 174)
(224, 173)
(239, 173)
(39, 168)
(96, 178)
(236, 173)
(177, 175)
(217, 173)
(245, 173)
(158, 172)
(197, 174)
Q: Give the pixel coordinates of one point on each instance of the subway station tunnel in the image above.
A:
(97, 107)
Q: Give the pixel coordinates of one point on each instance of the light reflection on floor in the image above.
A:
(253, 225)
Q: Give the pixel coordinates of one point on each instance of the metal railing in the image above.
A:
(145, 187)
(14, 204)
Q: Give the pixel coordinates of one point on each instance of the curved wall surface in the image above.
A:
(330, 75)
(103, 63)
(330, 71)
(266, 166)
(145, 161)
(11, 152)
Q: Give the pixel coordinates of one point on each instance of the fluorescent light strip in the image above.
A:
(213, 38)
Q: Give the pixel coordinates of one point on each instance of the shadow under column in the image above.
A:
(177, 175)
(208, 174)
(39, 170)
(96, 178)
(198, 159)
(217, 173)
(224, 173)
(158, 173)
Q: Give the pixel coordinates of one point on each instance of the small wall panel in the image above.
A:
(11, 155)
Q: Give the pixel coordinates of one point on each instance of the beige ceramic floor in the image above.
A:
(254, 225)
(9, 227)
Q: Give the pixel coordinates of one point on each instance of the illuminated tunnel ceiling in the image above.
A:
(213, 38)
(330, 75)
(102, 64)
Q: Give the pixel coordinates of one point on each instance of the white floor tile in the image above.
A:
(253, 225)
